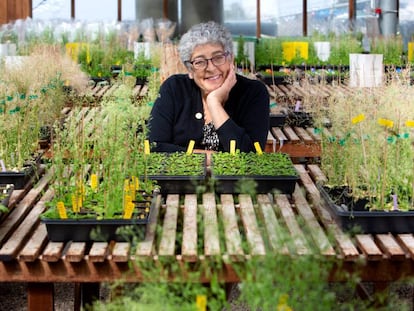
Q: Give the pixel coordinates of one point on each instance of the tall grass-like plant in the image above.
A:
(370, 145)
(31, 97)
(107, 147)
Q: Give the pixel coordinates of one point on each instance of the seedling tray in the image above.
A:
(263, 184)
(92, 230)
(369, 222)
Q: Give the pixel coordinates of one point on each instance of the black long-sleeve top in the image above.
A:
(177, 116)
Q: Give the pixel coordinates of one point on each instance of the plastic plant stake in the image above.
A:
(190, 147)
(146, 147)
(258, 148)
(232, 147)
(61, 209)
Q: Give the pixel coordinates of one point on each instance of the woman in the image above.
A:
(211, 105)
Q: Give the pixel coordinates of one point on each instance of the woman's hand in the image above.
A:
(216, 99)
(221, 94)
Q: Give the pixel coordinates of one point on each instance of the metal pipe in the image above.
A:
(388, 20)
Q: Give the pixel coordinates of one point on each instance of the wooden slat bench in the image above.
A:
(194, 231)
(302, 144)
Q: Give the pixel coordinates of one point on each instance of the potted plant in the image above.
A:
(253, 172)
(94, 167)
(368, 155)
(178, 172)
(142, 69)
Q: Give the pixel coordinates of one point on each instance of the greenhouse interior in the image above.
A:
(206, 155)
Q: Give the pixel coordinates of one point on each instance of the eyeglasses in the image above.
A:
(202, 63)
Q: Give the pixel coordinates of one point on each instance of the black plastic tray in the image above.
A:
(91, 230)
(179, 184)
(277, 119)
(264, 184)
(94, 230)
(374, 222)
(18, 179)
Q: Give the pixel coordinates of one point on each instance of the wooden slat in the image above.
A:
(136, 90)
(344, 243)
(144, 91)
(234, 248)
(306, 138)
(23, 207)
(53, 251)
(120, 252)
(298, 238)
(35, 244)
(167, 243)
(278, 134)
(75, 252)
(102, 91)
(368, 247)
(211, 232)
(291, 135)
(317, 174)
(315, 229)
(189, 245)
(316, 136)
(98, 252)
(251, 227)
(390, 247)
(145, 248)
(11, 248)
(407, 240)
(274, 230)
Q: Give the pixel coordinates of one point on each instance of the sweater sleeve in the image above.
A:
(161, 122)
(251, 123)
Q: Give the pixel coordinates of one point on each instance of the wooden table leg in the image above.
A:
(40, 296)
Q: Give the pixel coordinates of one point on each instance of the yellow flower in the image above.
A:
(385, 122)
(409, 123)
(358, 118)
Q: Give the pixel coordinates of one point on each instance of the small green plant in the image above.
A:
(242, 163)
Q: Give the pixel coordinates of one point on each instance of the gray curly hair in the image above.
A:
(204, 33)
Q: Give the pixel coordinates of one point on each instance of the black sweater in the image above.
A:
(177, 116)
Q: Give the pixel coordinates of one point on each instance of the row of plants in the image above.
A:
(302, 51)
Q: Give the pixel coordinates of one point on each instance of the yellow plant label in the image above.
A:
(201, 302)
(61, 209)
(232, 147)
(127, 200)
(190, 147)
(386, 122)
(135, 180)
(410, 46)
(258, 148)
(146, 147)
(409, 123)
(358, 118)
(129, 208)
(75, 204)
(295, 49)
(126, 185)
(94, 182)
(132, 191)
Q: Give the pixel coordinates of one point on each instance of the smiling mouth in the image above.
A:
(216, 77)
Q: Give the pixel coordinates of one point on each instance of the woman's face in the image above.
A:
(213, 75)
